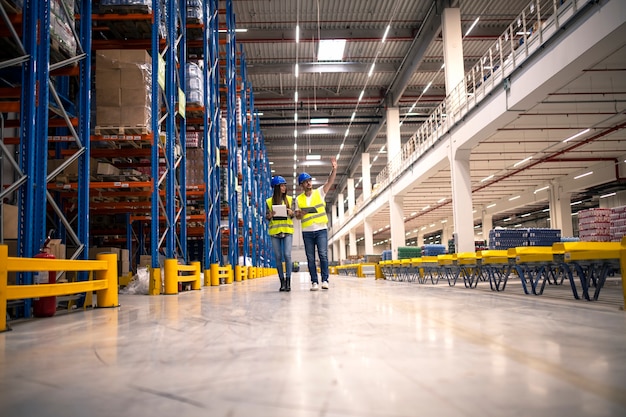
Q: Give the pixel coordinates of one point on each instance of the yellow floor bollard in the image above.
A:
(154, 286)
(171, 277)
(238, 273)
(215, 275)
(109, 296)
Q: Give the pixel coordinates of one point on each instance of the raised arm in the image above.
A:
(331, 177)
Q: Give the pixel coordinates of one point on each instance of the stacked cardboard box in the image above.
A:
(123, 88)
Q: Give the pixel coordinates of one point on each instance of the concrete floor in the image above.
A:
(364, 348)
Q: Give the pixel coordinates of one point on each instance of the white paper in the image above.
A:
(280, 211)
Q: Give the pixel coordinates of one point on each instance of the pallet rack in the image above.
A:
(147, 212)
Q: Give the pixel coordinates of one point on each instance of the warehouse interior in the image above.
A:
(477, 219)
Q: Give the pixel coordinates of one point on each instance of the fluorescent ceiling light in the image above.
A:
(491, 205)
(487, 178)
(312, 157)
(522, 161)
(441, 200)
(583, 175)
(427, 87)
(331, 49)
(541, 189)
(297, 33)
(297, 70)
(607, 195)
(576, 135)
(514, 198)
(240, 30)
(371, 71)
(361, 95)
(525, 215)
(386, 33)
(575, 203)
(319, 121)
(472, 27)
(508, 219)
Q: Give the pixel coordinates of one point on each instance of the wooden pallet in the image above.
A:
(122, 130)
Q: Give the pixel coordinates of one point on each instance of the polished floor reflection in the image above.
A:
(364, 348)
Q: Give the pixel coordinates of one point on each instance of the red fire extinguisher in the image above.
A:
(45, 306)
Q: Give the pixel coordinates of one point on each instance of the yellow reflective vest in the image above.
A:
(318, 204)
(278, 226)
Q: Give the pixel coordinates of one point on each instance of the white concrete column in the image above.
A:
(352, 243)
(420, 238)
(446, 233)
(333, 215)
(335, 251)
(452, 48)
(342, 249)
(367, 176)
(462, 200)
(368, 234)
(396, 223)
(394, 143)
(342, 209)
(561, 211)
(351, 198)
(487, 222)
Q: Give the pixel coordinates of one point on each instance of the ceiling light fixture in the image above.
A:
(371, 71)
(297, 70)
(331, 49)
(313, 157)
(523, 161)
(491, 205)
(487, 178)
(297, 33)
(576, 135)
(472, 27)
(583, 175)
(541, 189)
(514, 198)
(319, 121)
(607, 195)
(387, 29)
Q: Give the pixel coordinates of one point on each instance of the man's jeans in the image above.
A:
(318, 238)
(282, 253)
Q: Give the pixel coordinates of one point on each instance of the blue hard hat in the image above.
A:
(303, 177)
(277, 180)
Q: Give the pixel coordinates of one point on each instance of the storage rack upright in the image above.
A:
(48, 61)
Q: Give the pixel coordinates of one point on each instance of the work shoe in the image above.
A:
(324, 285)
(315, 287)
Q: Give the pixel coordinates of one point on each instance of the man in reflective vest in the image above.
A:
(311, 211)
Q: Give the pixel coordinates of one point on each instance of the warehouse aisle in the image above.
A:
(364, 348)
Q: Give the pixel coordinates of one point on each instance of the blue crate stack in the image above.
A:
(508, 238)
(387, 255)
(433, 250)
(512, 238)
(543, 237)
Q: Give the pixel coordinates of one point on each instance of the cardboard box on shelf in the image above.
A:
(108, 115)
(9, 221)
(135, 116)
(107, 169)
(135, 97)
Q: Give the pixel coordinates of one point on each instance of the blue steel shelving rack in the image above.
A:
(212, 238)
(33, 187)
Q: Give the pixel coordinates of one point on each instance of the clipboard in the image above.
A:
(280, 212)
(309, 210)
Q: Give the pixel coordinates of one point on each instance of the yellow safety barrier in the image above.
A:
(495, 264)
(592, 262)
(221, 274)
(176, 273)
(241, 273)
(105, 283)
(534, 264)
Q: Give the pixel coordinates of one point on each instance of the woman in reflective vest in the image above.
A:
(280, 215)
